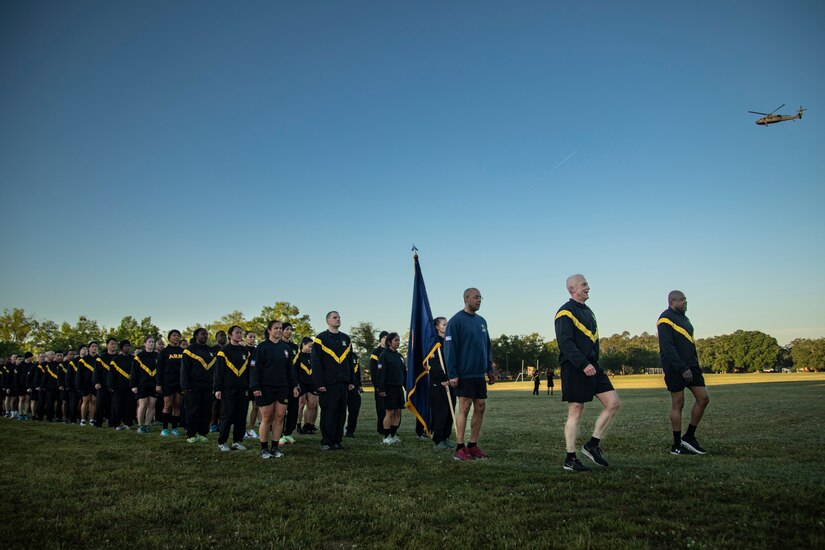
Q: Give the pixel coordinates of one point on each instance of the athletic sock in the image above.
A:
(677, 438)
(393, 430)
(594, 442)
(175, 422)
(571, 456)
(472, 444)
(691, 431)
(459, 446)
(165, 417)
(274, 445)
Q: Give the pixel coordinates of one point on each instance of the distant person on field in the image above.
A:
(536, 381)
(680, 363)
(582, 378)
(550, 375)
(468, 355)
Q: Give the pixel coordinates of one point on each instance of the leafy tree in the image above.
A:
(16, 329)
(364, 340)
(282, 311)
(44, 335)
(808, 354)
(72, 337)
(134, 331)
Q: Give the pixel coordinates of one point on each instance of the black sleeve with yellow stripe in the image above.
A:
(677, 348)
(577, 336)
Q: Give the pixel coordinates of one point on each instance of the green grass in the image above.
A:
(762, 485)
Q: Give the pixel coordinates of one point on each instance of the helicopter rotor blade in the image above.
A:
(772, 112)
(756, 113)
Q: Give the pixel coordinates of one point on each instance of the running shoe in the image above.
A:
(165, 433)
(251, 434)
(122, 427)
(265, 453)
(477, 453)
(680, 450)
(140, 430)
(202, 438)
(326, 447)
(213, 429)
(175, 432)
(282, 440)
(388, 440)
(193, 439)
(574, 465)
(595, 454)
(442, 445)
(692, 445)
(82, 422)
(224, 448)
(276, 453)
(238, 446)
(463, 454)
(289, 439)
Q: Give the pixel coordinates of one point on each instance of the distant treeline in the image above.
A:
(742, 351)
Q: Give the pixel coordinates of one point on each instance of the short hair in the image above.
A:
(287, 325)
(391, 336)
(198, 331)
(124, 343)
(233, 327)
(111, 339)
(330, 313)
(269, 326)
(173, 331)
(437, 320)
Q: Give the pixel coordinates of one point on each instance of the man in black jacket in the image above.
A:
(333, 372)
(373, 366)
(581, 377)
(680, 363)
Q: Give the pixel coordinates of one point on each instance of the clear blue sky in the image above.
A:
(186, 159)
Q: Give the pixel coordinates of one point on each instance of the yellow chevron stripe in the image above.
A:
(120, 370)
(49, 370)
(104, 365)
(578, 324)
(676, 327)
(331, 353)
(87, 365)
(200, 359)
(238, 372)
(144, 367)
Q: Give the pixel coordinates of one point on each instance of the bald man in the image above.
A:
(467, 353)
(581, 377)
(680, 363)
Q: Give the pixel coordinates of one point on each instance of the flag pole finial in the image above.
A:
(415, 251)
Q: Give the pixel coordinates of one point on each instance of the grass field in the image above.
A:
(761, 485)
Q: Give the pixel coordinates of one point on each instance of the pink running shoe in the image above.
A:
(477, 453)
(463, 454)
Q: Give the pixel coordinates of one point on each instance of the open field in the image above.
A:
(762, 485)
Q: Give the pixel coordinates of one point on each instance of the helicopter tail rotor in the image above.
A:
(801, 110)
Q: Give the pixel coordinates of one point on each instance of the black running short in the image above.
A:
(394, 399)
(577, 387)
(474, 388)
(271, 395)
(171, 389)
(308, 388)
(675, 382)
(146, 391)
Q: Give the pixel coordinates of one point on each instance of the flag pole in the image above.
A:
(447, 389)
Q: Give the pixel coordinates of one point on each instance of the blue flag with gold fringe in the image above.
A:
(423, 344)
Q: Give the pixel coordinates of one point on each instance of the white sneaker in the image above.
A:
(388, 440)
(238, 447)
(251, 435)
(224, 448)
(395, 440)
(82, 422)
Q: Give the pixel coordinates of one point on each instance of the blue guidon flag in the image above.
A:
(423, 345)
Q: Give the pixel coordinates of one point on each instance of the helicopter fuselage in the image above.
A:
(773, 119)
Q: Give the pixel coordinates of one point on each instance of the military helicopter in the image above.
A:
(771, 118)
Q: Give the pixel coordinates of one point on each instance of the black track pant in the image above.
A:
(353, 408)
(234, 404)
(291, 414)
(104, 406)
(198, 411)
(333, 413)
(379, 412)
(53, 404)
(442, 420)
(121, 407)
(74, 405)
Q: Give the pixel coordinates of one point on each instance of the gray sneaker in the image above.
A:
(224, 448)
(238, 447)
(265, 453)
(276, 453)
(443, 445)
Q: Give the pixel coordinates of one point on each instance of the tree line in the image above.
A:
(742, 351)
